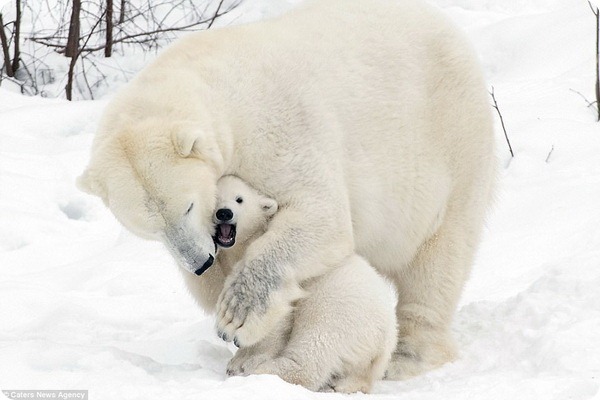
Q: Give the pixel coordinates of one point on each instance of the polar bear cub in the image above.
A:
(341, 333)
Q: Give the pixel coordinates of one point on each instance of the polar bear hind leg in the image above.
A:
(428, 292)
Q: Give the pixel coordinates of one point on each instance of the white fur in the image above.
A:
(342, 336)
(366, 120)
(342, 330)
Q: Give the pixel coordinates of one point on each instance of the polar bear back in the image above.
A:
(389, 91)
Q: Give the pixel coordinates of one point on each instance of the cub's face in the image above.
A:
(241, 211)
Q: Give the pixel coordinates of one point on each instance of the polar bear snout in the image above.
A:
(191, 250)
(191, 259)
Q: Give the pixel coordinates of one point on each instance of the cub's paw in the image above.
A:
(286, 368)
(246, 363)
(291, 371)
(235, 365)
(352, 385)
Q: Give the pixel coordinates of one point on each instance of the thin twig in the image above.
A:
(502, 122)
(549, 154)
(85, 78)
(69, 87)
(596, 13)
(589, 103)
(136, 35)
(594, 10)
(216, 13)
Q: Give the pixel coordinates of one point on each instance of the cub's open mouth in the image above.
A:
(225, 235)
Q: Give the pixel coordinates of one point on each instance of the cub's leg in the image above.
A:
(247, 359)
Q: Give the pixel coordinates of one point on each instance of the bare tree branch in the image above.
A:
(594, 10)
(149, 24)
(156, 31)
(597, 14)
(5, 50)
(589, 103)
(48, 40)
(69, 87)
(549, 154)
(216, 13)
(495, 105)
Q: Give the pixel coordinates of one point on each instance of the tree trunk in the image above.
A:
(109, 28)
(70, 76)
(4, 44)
(72, 49)
(17, 51)
(122, 12)
(73, 40)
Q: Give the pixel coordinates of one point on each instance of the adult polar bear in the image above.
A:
(367, 121)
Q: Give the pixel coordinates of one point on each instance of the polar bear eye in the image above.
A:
(239, 200)
(189, 209)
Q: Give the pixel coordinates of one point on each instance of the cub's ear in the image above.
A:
(269, 206)
(187, 141)
(89, 183)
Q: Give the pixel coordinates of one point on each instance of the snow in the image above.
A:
(86, 305)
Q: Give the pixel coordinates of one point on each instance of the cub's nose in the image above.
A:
(224, 214)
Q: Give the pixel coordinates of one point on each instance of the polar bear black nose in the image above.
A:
(224, 214)
(206, 265)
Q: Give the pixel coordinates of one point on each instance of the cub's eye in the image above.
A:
(239, 200)
(189, 209)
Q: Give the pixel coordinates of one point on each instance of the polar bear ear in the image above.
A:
(269, 206)
(90, 184)
(195, 143)
(186, 142)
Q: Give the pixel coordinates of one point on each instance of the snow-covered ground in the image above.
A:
(85, 305)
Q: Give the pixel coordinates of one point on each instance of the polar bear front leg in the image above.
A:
(253, 302)
(295, 247)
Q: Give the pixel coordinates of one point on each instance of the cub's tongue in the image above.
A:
(225, 235)
(225, 230)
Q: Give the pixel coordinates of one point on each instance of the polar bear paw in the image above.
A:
(415, 355)
(250, 307)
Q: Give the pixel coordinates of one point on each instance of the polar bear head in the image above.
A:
(159, 179)
(241, 211)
